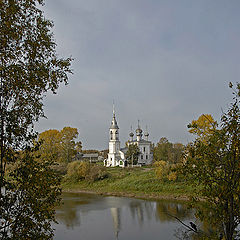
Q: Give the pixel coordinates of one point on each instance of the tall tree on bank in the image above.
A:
(167, 151)
(29, 67)
(132, 154)
(59, 146)
(67, 144)
(215, 164)
(203, 126)
(49, 145)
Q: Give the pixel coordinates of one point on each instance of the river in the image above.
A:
(90, 217)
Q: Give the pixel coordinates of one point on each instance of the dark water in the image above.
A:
(90, 217)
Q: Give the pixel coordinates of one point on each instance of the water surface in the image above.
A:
(90, 217)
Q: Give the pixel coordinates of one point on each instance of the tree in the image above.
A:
(28, 206)
(50, 144)
(67, 144)
(215, 164)
(78, 146)
(59, 146)
(29, 67)
(203, 126)
(132, 154)
(167, 151)
(178, 149)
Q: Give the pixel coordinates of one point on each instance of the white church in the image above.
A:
(116, 155)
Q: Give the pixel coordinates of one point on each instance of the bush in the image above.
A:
(172, 176)
(165, 171)
(78, 170)
(83, 170)
(161, 169)
(96, 173)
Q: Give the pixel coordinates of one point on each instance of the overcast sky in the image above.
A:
(164, 62)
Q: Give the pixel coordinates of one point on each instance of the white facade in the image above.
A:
(116, 155)
(146, 156)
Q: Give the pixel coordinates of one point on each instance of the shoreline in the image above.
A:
(145, 196)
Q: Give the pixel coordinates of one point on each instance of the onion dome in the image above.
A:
(131, 134)
(146, 134)
(138, 130)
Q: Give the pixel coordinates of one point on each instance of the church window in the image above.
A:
(146, 156)
(141, 156)
(111, 137)
(144, 149)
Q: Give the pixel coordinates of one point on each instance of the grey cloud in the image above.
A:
(163, 62)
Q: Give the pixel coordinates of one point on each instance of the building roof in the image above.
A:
(124, 150)
(141, 141)
(90, 155)
(114, 122)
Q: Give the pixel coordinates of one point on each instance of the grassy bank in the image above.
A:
(136, 182)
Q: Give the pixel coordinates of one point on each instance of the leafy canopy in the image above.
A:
(59, 146)
(215, 164)
(132, 154)
(203, 126)
(29, 67)
(167, 151)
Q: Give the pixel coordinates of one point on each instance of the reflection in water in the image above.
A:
(136, 210)
(85, 216)
(68, 213)
(116, 220)
(166, 210)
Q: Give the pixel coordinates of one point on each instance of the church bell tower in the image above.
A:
(114, 143)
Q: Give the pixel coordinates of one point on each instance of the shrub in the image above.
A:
(83, 170)
(172, 176)
(161, 169)
(165, 171)
(96, 173)
(78, 170)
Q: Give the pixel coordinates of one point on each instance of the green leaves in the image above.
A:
(213, 160)
(167, 151)
(29, 67)
(132, 154)
(29, 199)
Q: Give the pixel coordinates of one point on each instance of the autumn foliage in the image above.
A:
(213, 162)
(59, 146)
(79, 170)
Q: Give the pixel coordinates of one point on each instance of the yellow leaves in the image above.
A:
(161, 169)
(84, 170)
(165, 171)
(203, 126)
(59, 145)
(172, 176)
(78, 170)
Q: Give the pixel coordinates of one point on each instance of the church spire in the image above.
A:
(114, 121)
(139, 132)
(113, 109)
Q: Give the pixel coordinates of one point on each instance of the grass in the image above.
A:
(136, 181)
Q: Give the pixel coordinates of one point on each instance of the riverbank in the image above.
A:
(135, 183)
